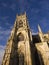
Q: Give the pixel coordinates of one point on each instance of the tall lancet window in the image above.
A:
(20, 23)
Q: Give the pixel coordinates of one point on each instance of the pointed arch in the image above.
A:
(20, 37)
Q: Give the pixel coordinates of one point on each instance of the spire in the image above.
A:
(39, 29)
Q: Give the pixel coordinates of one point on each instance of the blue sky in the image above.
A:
(37, 13)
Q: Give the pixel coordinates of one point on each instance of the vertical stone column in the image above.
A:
(27, 54)
(21, 51)
(6, 57)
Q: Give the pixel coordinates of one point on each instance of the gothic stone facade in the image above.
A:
(23, 48)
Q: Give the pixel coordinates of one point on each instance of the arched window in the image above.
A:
(20, 23)
(20, 37)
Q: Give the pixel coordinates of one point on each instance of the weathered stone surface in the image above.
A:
(24, 49)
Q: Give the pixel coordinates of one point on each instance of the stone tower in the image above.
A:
(23, 48)
(18, 46)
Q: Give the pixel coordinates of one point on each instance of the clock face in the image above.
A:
(20, 37)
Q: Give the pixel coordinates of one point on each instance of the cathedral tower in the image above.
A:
(18, 46)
